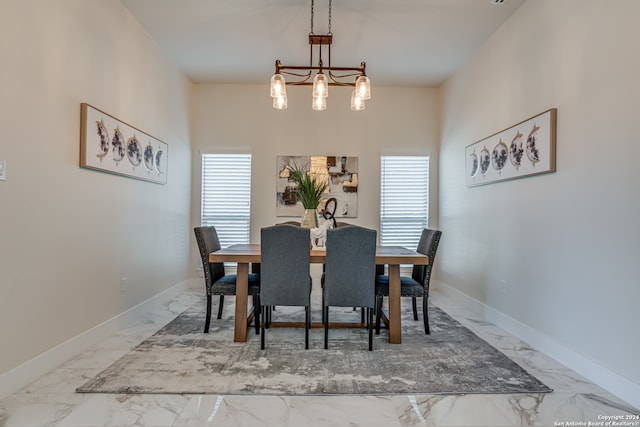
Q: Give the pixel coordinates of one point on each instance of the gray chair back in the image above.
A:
(350, 267)
(296, 223)
(284, 270)
(428, 245)
(208, 242)
(379, 267)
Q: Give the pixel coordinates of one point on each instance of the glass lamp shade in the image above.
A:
(357, 103)
(319, 103)
(363, 87)
(278, 86)
(280, 102)
(320, 86)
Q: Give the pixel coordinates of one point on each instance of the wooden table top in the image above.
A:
(250, 252)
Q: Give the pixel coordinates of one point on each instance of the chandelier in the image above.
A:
(325, 75)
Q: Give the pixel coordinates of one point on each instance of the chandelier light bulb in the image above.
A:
(363, 87)
(357, 103)
(320, 86)
(280, 102)
(319, 103)
(278, 86)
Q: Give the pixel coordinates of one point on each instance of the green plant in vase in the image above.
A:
(311, 190)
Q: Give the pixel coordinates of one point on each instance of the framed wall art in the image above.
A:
(525, 149)
(341, 173)
(110, 145)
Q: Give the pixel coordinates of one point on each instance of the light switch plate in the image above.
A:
(3, 171)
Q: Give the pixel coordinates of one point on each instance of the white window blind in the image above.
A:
(226, 196)
(404, 199)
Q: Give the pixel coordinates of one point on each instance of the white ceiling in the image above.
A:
(403, 42)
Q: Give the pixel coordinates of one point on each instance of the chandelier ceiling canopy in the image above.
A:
(320, 75)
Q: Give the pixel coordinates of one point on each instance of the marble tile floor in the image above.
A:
(52, 401)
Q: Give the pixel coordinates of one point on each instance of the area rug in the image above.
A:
(180, 359)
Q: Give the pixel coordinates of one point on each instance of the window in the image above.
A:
(404, 199)
(226, 196)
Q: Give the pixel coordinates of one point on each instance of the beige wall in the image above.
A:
(566, 243)
(67, 235)
(240, 117)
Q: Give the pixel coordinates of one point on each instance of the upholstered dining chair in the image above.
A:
(284, 272)
(415, 286)
(379, 271)
(296, 223)
(216, 281)
(350, 273)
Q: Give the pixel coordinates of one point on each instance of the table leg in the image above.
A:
(242, 290)
(395, 331)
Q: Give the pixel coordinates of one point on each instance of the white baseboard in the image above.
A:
(24, 374)
(600, 375)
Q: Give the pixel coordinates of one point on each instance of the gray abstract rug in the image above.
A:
(179, 358)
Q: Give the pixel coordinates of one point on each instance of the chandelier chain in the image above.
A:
(313, 15)
(330, 17)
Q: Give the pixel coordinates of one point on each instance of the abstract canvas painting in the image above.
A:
(340, 172)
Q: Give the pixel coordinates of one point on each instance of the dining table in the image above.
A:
(246, 254)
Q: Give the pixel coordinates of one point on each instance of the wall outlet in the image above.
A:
(123, 284)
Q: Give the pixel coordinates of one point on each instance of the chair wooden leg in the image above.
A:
(263, 313)
(425, 316)
(370, 327)
(207, 321)
(378, 313)
(362, 315)
(326, 327)
(415, 308)
(220, 307)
